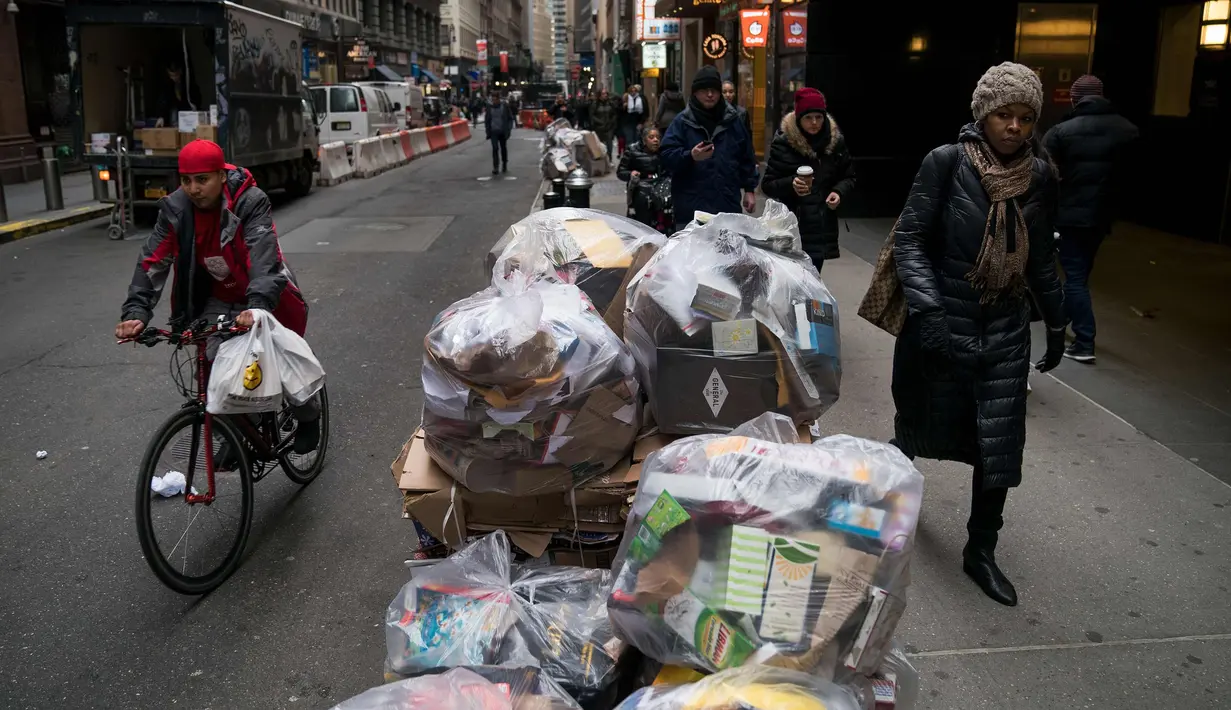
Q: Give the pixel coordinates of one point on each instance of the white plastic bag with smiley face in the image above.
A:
(246, 377)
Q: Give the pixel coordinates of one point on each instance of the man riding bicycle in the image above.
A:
(217, 233)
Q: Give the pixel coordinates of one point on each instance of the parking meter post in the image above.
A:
(53, 194)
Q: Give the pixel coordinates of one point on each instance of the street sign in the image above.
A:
(715, 46)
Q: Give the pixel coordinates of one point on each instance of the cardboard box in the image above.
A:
(207, 133)
(593, 145)
(698, 392)
(450, 511)
(159, 138)
(186, 138)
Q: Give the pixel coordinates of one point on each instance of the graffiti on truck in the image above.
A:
(265, 60)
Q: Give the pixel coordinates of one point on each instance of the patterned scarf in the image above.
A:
(999, 271)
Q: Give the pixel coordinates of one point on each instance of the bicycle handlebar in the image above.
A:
(199, 330)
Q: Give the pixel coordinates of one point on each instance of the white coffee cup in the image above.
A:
(805, 173)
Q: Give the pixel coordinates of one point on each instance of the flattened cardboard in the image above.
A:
(597, 436)
(532, 543)
(614, 315)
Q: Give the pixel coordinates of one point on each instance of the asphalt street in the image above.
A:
(83, 622)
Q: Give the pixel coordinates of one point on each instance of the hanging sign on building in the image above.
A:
(795, 28)
(480, 46)
(715, 46)
(754, 26)
(653, 56)
(504, 62)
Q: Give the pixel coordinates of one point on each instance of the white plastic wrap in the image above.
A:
(730, 320)
(751, 548)
(526, 389)
(476, 608)
(751, 688)
(590, 248)
(479, 688)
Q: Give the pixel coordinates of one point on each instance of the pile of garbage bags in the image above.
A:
(597, 251)
(477, 608)
(749, 688)
(468, 688)
(526, 389)
(731, 319)
(565, 148)
(752, 548)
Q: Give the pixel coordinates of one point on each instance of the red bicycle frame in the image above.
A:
(207, 427)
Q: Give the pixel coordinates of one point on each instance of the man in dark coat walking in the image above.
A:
(961, 360)
(1085, 146)
(810, 137)
(498, 121)
(709, 154)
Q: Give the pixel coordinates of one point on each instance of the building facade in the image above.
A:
(561, 18)
(462, 27)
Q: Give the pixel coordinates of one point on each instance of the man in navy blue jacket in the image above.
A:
(709, 154)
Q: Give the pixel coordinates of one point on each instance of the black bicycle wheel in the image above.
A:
(193, 548)
(303, 468)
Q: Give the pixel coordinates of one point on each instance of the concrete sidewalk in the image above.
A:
(1116, 546)
(27, 207)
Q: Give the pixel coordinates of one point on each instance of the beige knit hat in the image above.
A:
(1004, 84)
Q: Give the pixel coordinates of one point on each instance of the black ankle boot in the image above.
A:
(979, 562)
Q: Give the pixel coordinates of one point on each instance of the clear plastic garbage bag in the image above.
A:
(895, 684)
(750, 688)
(752, 548)
(246, 376)
(730, 320)
(475, 688)
(526, 389)
(476, 608)
(302, 374)
(590, 248)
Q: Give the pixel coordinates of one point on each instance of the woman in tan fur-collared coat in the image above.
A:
(810, 136)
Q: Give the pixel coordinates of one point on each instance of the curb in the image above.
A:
(20, 229)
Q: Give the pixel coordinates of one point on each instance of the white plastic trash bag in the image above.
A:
(245, 377)
(302, 374)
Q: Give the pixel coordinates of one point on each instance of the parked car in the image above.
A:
(350, 112)
(407, 101)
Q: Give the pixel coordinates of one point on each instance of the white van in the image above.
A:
(350, 112)
(407, 101)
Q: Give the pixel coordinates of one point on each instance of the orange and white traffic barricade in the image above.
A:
(391, 149)
(437, 138)
(418, 142)
(335, 166)
(408, 150)
(367, 157)
(458, 131)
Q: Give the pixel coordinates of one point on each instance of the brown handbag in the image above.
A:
(884, 305)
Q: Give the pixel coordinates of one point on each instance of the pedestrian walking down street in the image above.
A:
(728, 93)
(632, 116)
(974, 235)
(476, 107)
(605, 119)
(499, 125)
(809, 137)
(581, 111)
(1086, 147)
(560, 109)
(709, 154)
(641, 161)
(670, 104)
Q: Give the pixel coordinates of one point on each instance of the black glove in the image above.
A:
(934, 334)
(1055, 350)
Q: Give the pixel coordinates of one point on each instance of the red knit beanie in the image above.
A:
(808, 100)
(1086, 85)
(201, 156)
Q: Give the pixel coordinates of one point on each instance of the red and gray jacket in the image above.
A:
(249, 244)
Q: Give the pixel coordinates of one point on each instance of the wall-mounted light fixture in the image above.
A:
(1215, 17)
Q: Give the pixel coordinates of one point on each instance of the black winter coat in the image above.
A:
(1085, 147)
(670, 105)
(970, 407)
(639, 159)
(834, 172)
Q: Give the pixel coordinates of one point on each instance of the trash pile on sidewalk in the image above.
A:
(749, 566)
(565, 148)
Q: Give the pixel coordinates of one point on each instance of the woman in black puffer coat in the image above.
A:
(639, 163)
(973, 241)
(809, 136)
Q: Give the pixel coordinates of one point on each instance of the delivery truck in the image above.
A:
(150, 76)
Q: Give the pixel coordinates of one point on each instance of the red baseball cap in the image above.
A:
(201, 156)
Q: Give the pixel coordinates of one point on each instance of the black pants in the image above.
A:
(500, 153)
(986, 505)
